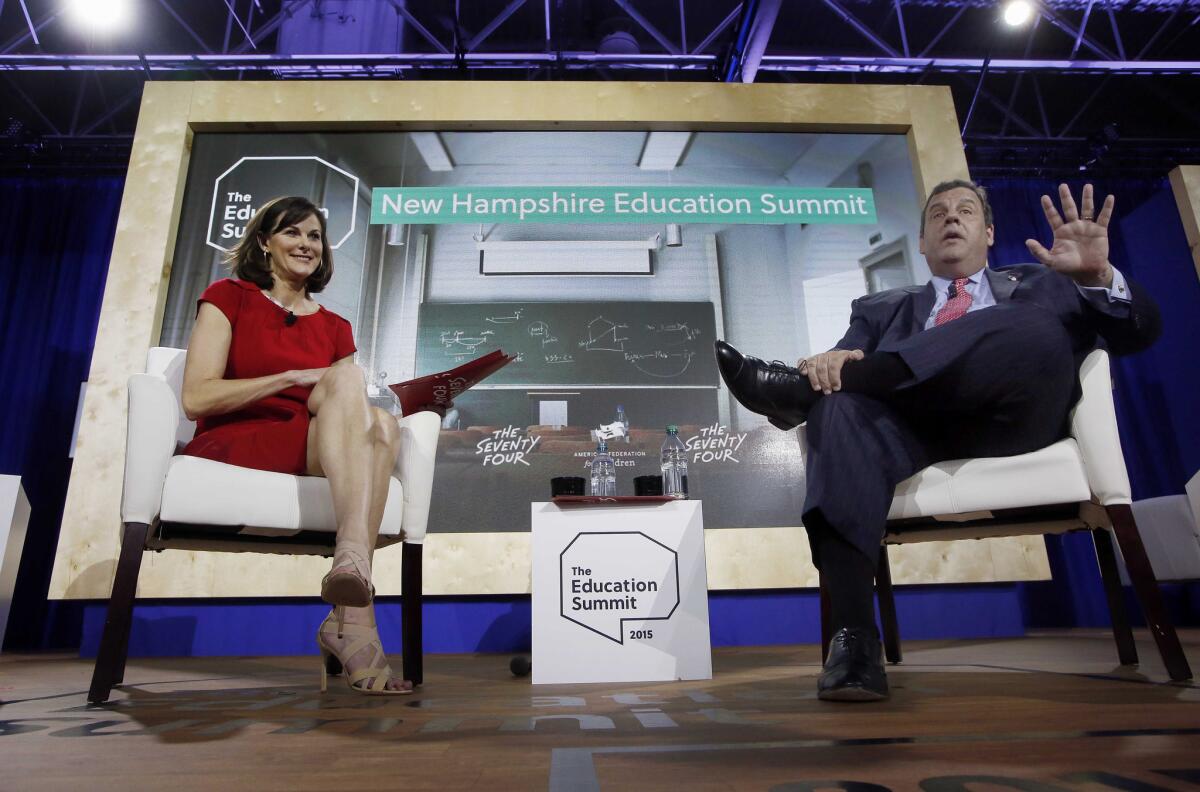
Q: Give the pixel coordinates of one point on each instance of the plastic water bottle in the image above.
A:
(604, 472)
(621, 419)
(674, 465)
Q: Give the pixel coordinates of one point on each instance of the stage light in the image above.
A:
(1018, 12)
(100, 16)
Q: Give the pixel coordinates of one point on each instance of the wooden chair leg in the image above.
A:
(826, 620)
(1111, 575)
(1145, 585)
(119, 673)
(410, 612)
(114, 644)
(887, 608)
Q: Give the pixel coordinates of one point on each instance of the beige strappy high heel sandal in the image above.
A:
(349, 586)
(373, 678)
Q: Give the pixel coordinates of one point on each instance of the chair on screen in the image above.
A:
(1077, 484)
(172, 501)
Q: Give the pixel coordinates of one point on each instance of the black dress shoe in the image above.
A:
(854, 667)
(774, 389)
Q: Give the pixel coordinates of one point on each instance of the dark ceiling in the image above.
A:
(1104, 87)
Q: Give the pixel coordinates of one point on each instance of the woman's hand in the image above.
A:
(307, 378)
(205, 389)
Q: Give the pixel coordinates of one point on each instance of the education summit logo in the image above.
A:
(252, 181)
(607, 580)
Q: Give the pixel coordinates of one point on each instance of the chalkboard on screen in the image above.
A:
(580, 343)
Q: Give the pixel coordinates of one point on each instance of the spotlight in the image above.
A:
(395, 235)
(674, 235)
(1017, 12)
(100, 16)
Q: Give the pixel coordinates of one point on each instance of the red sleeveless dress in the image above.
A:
(272, 433)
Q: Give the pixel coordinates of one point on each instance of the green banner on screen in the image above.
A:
(750, 205)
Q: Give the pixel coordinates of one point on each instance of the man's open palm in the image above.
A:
(1080, 247)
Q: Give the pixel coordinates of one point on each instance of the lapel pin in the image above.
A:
(1012, 278)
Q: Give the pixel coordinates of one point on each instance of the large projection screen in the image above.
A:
(602, 311)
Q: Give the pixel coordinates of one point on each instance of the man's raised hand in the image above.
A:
(1080, 247)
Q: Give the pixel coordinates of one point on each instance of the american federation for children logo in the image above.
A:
(618, 584)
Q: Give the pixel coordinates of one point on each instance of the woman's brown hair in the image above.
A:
(249, 261)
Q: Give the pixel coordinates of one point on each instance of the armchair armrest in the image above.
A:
(149, 446)
(1094, 427)
(418, 448)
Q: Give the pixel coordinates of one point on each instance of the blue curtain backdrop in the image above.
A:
(1155, 390)
(57, 235)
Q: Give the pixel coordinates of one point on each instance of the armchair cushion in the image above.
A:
(1050, 475)
(201, 491)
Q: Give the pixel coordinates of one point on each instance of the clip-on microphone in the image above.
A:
(290, 319)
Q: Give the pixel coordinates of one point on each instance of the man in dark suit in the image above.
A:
(977, 362)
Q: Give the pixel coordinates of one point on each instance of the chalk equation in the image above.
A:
(679, 330)
(458, 343)
(515, 316)
(658, 363)
(541, 331)
(604, 335)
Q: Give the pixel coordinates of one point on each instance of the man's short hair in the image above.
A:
(954, 184)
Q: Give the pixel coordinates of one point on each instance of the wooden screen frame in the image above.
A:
(1185, 185)
(494, 563)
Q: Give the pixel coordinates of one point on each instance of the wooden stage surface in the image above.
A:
(1047, 712)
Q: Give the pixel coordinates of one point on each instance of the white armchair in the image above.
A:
(171, 501)
(1170, 526)
(1079, 483)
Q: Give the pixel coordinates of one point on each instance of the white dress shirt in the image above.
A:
(981, 293)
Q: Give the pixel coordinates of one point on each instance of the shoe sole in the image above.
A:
(851, 694)
(346, 590)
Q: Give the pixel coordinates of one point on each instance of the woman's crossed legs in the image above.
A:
(355, 446)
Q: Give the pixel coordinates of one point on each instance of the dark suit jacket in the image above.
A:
(884, 321)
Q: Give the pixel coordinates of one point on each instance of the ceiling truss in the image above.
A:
(1009, 90)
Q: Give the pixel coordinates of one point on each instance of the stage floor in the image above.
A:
(1046, 712)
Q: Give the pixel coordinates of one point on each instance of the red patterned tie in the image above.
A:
(957, 306)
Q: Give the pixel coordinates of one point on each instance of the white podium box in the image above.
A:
(14, 520)
(620, 593)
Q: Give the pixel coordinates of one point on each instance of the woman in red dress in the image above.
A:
(271, 384)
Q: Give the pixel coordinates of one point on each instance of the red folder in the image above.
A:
(438, 390)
